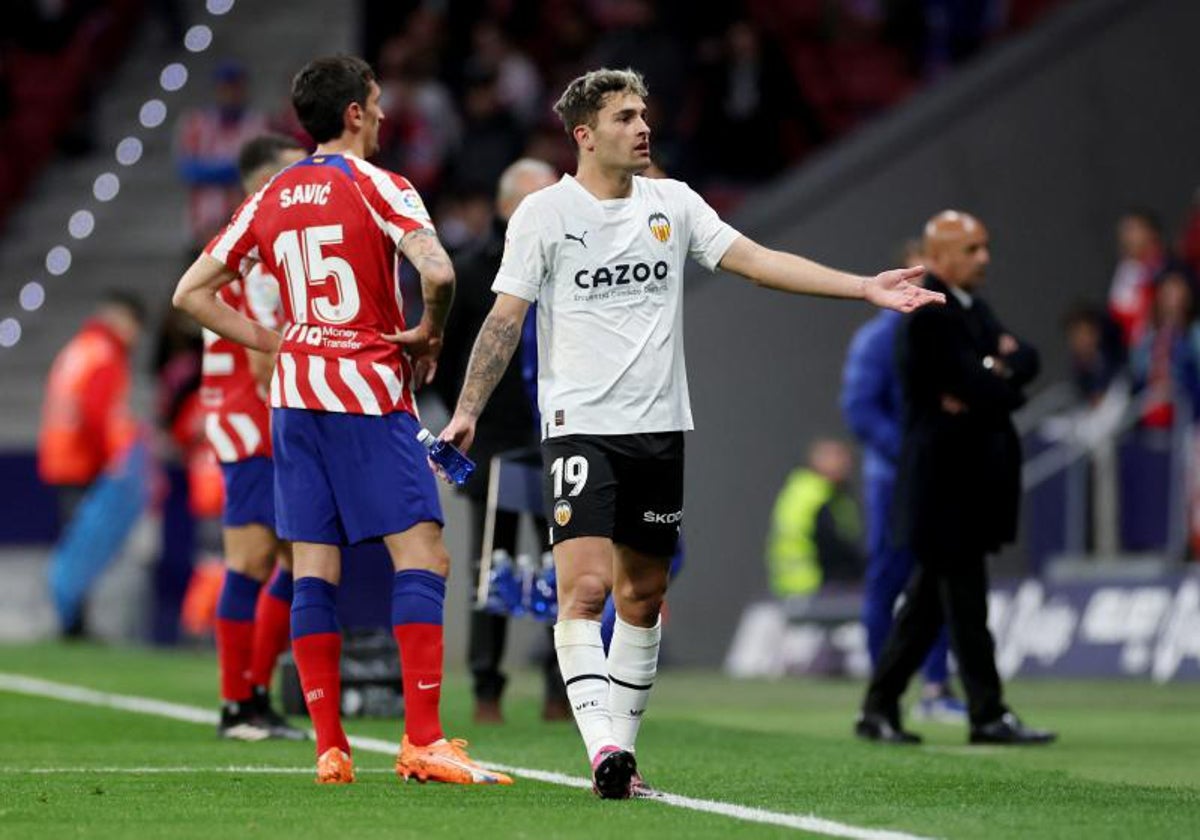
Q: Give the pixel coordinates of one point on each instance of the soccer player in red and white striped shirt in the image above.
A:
(252, 618)
(348, 466)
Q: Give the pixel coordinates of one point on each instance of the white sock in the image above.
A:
(632, 666)
(581, 659)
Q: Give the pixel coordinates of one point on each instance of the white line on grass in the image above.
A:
(262, 770)
(31, 686)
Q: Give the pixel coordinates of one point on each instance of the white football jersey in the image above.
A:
(607, 277)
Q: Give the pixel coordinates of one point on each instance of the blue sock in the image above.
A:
(418, 597)
(314, 607)
(239, 595)
(281, 586)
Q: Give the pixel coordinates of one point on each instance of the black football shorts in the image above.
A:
(628, 488)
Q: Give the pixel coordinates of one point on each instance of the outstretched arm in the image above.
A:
(196, 295)
(494, 347)
(797, 275)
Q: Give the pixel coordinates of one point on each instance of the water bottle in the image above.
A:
(526, 573)
(543, 600)
(443, 453)
(504, 589)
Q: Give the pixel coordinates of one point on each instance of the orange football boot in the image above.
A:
(444, 761)
(334, 767)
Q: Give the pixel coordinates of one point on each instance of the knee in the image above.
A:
(256, 565)
(639, 602)
(436, 560)
(584, 598)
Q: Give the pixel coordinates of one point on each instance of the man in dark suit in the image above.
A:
(958, 486)
(507, 424)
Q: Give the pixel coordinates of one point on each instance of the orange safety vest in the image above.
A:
(85, 420)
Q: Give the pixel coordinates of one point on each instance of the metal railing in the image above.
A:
(1086, 455)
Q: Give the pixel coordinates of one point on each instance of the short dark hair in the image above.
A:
(264, 150)
(126, 300)
(584, 97)
(323, 89)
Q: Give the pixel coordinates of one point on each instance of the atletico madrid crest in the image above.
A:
(660, 226)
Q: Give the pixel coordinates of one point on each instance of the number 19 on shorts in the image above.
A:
(573, 471)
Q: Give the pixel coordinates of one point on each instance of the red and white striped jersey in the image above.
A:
(329, 228)
(237, 421)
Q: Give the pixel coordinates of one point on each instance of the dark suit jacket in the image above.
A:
(959, 479)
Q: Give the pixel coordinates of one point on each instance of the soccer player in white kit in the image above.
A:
(602, 253)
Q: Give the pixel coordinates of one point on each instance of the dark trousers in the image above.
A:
(888, 571)
(488, 631)
(953, 591)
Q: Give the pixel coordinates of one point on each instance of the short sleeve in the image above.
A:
(709, 237)
(236, 243)
(395, 200)
(523, 266)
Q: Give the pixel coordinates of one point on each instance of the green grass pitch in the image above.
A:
(1128, 765)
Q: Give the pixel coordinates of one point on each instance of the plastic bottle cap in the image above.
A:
(424, 436)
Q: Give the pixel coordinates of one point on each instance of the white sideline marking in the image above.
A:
(260, 769)
(31, 686)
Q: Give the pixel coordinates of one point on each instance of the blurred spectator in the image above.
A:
(507, 424)
(86, 424)
(206, 150)
(568, 33)
(1094, 418)
(422, 129)
(85, 418)
(518, 83)
(496, 137)
(1166, 366)
(772, 79)
(552, 146)
(816, 530)
(1142, 257)
(180, 421)
(751, 101)
(465, 221)
(1189, 244)
(1165, 362)
(636, 37)
(1094, 350)
(426, 33)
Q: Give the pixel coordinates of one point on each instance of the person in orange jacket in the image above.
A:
(86, 422)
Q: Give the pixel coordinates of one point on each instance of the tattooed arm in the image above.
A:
(494, 347)
(430, 259)
(423, 343)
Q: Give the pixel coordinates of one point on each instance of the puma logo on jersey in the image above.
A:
(578, 238)
(304, 194)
